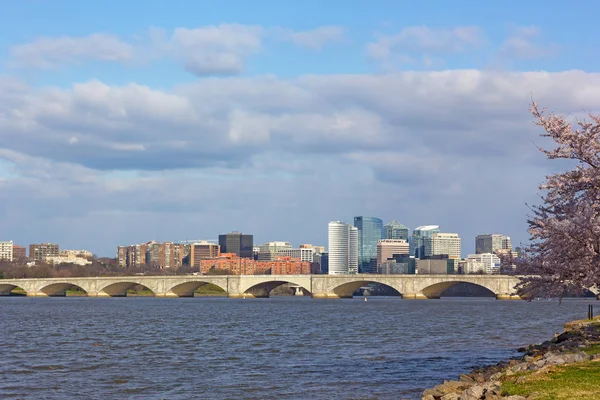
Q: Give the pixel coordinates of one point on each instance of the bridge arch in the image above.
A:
(346, 290)
(187, 289)
(120, 289)
(261, 286)
(7, 288)
(55, 289)
(436, 290)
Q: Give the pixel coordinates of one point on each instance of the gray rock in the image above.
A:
(451, 396)
(432, 393)
(473, 393)
(496, 376)
(555, 360)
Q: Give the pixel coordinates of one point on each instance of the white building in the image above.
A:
(269, 250)
(68, 259)
(386, 248)
(6, 250)
(443, 243)
(76, 253)
(343, 248)
(304, 254)
(488, 262)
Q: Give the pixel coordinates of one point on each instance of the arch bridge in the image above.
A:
(249, 286)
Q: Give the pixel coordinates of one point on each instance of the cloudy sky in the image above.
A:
(181, 120)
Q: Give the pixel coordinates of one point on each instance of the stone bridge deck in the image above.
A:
(318, 286)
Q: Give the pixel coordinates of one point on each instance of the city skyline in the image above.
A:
(173, 123)
(289, 244)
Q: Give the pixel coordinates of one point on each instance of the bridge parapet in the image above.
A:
(318, 286)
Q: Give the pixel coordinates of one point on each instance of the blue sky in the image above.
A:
(122, 123)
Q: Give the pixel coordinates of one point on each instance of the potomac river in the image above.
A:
(275, 348)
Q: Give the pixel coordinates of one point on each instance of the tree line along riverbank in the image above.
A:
(566, 367)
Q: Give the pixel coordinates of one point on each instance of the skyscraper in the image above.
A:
(370, 230)
(442, 244)
(343, 248)
(237, 243)
(418, 236)
(490, 243)
(395, 230)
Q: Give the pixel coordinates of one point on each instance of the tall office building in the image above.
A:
(343, 248)
(395, 230)
(442, 244)
(40, 251)
(237, 243)
(202, 250)
(418, 237)
(386, 248)
(490, 243)
(370, 230)
(6, 251)
(269, 251)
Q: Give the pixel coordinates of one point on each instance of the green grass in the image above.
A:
(573, 382)
(592, 350)
(210, 290)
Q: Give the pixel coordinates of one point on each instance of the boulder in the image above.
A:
(473, 393)
(433, 393)
(452, 387)
(451, 396)
(428, 397)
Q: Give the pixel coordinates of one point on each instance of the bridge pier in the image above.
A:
(508, 297)
(99, 294)
(415, 296)
(171, 295)
(329, 296)
(37, 294)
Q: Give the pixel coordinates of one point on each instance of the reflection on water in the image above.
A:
(283, 347)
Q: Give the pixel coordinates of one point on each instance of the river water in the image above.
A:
(277, 348)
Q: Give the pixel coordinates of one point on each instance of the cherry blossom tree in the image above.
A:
(564, 251)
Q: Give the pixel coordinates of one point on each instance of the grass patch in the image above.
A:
(573, 382)
(592, 350)
(210, 290)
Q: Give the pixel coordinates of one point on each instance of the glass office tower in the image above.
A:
(370, 231)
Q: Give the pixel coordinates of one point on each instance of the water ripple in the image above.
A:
(285, 348)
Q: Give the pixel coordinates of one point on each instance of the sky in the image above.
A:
(125, 122)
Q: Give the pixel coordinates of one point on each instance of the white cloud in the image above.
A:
(51, 52)
(524, 43)
(314, 38)
(412, 146)
(423, 39)
(218, 49)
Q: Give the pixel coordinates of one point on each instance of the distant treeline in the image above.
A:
(99, 267)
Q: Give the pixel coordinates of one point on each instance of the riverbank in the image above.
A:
(566, 367)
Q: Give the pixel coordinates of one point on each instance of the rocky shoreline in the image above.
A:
(486, 383)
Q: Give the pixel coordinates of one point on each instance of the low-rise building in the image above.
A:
(19, 252)
(6, 250)
(67, 259)
(41, 251)
(435, 265)
(386, 248)
(232, 264)
(487, 263)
